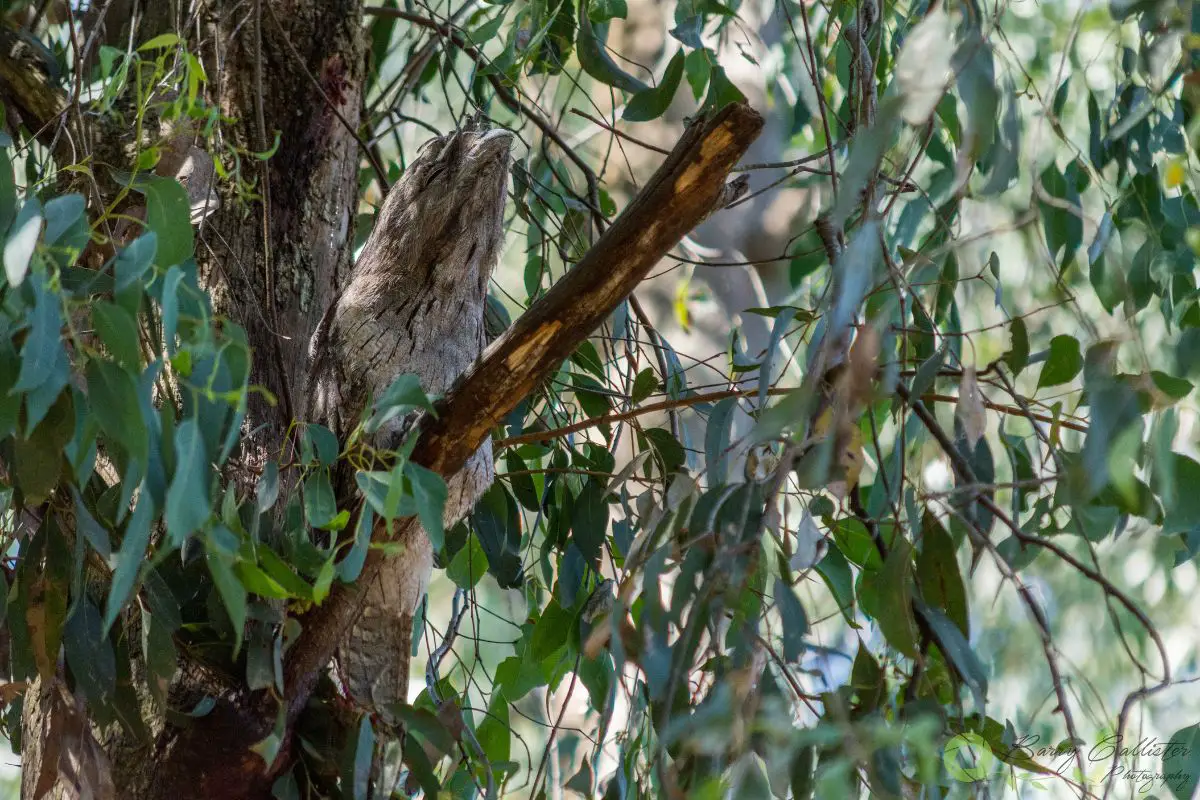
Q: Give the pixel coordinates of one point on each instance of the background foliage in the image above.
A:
(938, 478)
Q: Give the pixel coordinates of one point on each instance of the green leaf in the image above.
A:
(1181, 762)
(1017, 356)
(644, 385)
(795, 621)
(550, 631)
(43, 344)
(10, 402)
(721, 91)
(324, 443)
(665, 446)
(894, 584)
(130, 558)
(48, 573)
(402, 396)
(324, 581)
(801, 772)
(282, 573)
(698, 68)
(357, 780)
(114, 401)
(937, 572)
(385, 491)
(1061, 221)
(494, 733)
(160, 42)
(589, 521)
(865, 154)
(1184, 514)
(168, 215)
(650, 104)
(717, 438)
(230, 589)
(835, 571)
(39, 457)
(429, 494)
(170, 306)
(592, 51)
(188, 501)
(766, 373)
(1064, 362)
(349, 568)
(419, 767)
(320, 505)
(64, 215)
(604, 10)
(134, 260)
(267, 491)
(22, 240)
(427, 725)
(92, 531)
(957, 650)
(480, 36)
(158, 648)
(469, 564)
(8, 190)
(1173, 387)
(268, 747)
(90, 654)
(923, 381)
(552, 47)
(118, 331)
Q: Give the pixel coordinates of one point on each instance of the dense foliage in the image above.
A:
(747, 570)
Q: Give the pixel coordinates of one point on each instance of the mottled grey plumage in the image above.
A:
(414, 304)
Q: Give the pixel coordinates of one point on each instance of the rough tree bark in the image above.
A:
(291, 69)
(296, 67)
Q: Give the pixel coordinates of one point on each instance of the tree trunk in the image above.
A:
(293, 70)
(286, 71)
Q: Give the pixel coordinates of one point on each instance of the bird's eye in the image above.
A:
(433, 173)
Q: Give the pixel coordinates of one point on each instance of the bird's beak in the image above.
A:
(495, 142)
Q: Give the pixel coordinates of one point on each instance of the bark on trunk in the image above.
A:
(292, 69)
(283, 70)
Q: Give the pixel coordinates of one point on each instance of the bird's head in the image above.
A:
(454, 189)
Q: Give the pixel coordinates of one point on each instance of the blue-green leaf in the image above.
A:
(114, 401)
(21, 241)
(402, 396)
(320, 506)
(650, 104)
(43, 344)
(429, 493)
(1064, 362)
(232, 593)
(1181, 762)
(118, 331)
(130, 558)
(592, 52)
(188, 502)
(795, 621)
(168, 215)
(170, 307)
(134, 260)
(349, 568)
